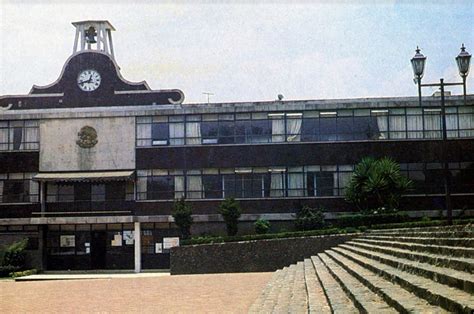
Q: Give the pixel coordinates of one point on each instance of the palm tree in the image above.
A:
(377, 185)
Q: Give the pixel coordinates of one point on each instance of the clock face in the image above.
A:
(89, 80)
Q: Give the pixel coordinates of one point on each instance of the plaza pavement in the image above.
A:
(141, 293)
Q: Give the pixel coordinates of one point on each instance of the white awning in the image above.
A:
(84, 176)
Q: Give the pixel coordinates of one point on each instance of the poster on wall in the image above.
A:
(158, 248)
(128, 236)
(117, 241)
(170, 242)
(67, 241)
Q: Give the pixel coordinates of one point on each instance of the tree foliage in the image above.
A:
(230, 211)
(377, 185)
(308, 218)
(262, 226)
(182, 214)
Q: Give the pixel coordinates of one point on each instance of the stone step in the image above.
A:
(317, 301)
(457, 263)
(364, 299)
(428, 248)
(299, 297)
(397, 297)
(257, 306)
(440, 234)
(447, 276)
(284, 296)
(454, 228)
(272, 297)
(467, 242)
(449, 298)
(338, 300)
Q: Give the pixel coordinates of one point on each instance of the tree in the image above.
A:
(308, 218)
(230, 211)
(377, 185)
(182, 214)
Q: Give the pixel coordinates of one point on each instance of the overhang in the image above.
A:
(84, 176)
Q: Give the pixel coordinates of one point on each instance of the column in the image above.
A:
(42, 197)
(138, 251)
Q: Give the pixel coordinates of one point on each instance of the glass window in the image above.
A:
(160, 133)
(212, 186)
(160, 188)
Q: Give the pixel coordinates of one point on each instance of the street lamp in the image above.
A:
(418, 64)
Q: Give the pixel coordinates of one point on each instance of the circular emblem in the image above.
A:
(87, 137)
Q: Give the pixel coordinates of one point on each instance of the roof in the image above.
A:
(107, 23)
(84, 176)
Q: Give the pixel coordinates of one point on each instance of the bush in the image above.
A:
(359, 220)
(377, 185)
(23, 273)
(308, 218)
(230, 211)
(6, 270)
(182, 214)
(262, 226)
(15, 255)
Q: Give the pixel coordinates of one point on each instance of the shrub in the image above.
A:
(182, 214)
(358, 220)
(377, 185)
(23, 273)
(262, 226)
(15, 254)
(308, 218)
(230, 211)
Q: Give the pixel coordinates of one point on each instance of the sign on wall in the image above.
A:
(170, 242)
(67, 241)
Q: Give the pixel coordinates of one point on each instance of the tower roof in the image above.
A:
(107, 23)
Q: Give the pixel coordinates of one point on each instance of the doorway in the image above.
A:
(98, 249)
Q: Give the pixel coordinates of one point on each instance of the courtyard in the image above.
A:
(212, 293)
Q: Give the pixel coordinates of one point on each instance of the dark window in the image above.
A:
(320, 183)
(261, 131)
(82, 192)
(15, 191)
(17, 137)
(160, 188)
(310, 130)
(365, 128)
(160, 133)
(226, 132)
(115, 191)
(209, 132)
(328, 129)
(344, 128)
(212, 186)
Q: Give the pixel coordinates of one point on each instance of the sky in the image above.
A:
(247, 50)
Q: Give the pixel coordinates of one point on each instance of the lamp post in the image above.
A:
(418, 64)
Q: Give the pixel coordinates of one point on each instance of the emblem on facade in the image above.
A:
(87, 137)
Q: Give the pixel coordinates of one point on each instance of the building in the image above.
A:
(92, 160)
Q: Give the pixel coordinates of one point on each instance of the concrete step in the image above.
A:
(447, 276)
(338, 300)
(283, 301)
(364, 299)
(456, 263)
(454, 228)
(466, 242)
(257, 306)
(397, 297)
(299, 296)
(270, 298)
(317, 301)
(458, 251)
(449, 298)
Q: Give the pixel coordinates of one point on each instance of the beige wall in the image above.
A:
(114, 150)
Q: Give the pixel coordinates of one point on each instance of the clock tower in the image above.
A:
(91, 78)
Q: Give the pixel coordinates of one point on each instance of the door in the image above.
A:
(98, 249)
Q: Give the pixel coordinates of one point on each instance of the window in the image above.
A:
(18, 188)
(19, 135)
(159, 134)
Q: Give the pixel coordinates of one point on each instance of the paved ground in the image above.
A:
(216, 293)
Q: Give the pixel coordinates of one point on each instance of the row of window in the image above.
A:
(308, 126)
(307, 181)
(19, 135)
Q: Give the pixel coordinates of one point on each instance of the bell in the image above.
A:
(90, 35)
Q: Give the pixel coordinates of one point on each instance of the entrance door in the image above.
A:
(98, 249)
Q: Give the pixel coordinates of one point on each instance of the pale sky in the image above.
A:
(241, 51)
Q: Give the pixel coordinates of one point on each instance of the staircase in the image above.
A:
(421, 270)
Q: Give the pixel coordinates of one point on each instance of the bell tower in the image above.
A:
(94, 35)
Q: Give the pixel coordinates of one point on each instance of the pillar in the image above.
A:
(138, 250)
